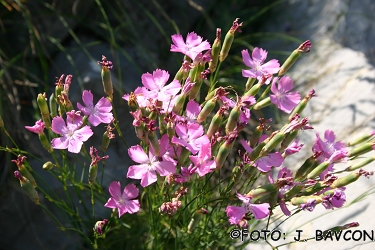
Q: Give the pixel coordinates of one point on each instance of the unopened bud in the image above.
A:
(42, 103)
(263, 103)
(206, 110)
(27, 187)
(361, 139)
(228, 40)
(215, 124)
(48, 165)
(362, 149)
(216, 46)
(232, 119)
(106, 77)
(360, 164)
(302, 104)
(304, 47)
(53, 105)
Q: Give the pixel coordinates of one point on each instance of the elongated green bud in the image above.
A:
(27, 187)
(302, 104)
(306, 168)
(249, 83)
(304, 47)
(273, 143)
(48, 165)
(105, 141)
(106, 77)
(261, 191)
(93, 172)
(263, 103)
(23, 170)
(215, 124)
(292, 192)
(232, 119)
(254, 139)
(318, 170)
(361, 139)
(362, 149)
(313, 189)
(223, 153)
(42, 103)
(361, 164)
(228, 40)
(45, 142)
(255, 154)
(206, 110)
(216, 46)
(289, 137)
(195, 90)
(154, 143)
(254, 90)
(346, 180)
(53, 105)
(304, 199)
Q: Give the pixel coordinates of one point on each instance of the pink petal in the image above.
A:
(88, 98)
(137, 171)
(74, 145)
(260, 211)
(165, 168)
(115, 189)
(285, 84)
(132, 206)
(83, 133)
(259, 55)
(58, 125)
(148, 178)
(111, 203)
(246, 146)
(138, 155)
(246, 59)
(104, 105)
(60, 143)
(131, 191)
(148, 81)
(272, 66)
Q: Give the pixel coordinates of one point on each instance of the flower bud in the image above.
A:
(93, 172)
(98, 228)
(289, 137)
(362, 149)
(106, 77)
(304, 47)
(273, 143)
(302, 104)
(105, 141)
(132, 102)
(42, 103)
(318, 169)
(304, 199)
(249, 83)
(223, 153)
(232, 119)
(228, 40)
(195, 90)
(206, 110)
(48, 165)
(215, 124)
(216, 46)
(45, 142)
(314, 188)
(261, 191)
(23, 170)
(306, 168)
(53, 105)
(27, 187)
(361, 139)
(361, 164)
(263, 103)
(292, 192)
(180, 101)
(346, 180)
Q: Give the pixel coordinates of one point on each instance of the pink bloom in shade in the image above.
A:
(100, 113)
(281, 98)
(293, 148)
(190, 136)
(265, 163)
(155, 83)
(202, 160)
(193, 46)
(256, 64)
(186, 174)
(244, 102)
(37, 128)
(337, 199)
(72, 135)
(236, 214)
(125, 202)
(328, 146)
(149, 166)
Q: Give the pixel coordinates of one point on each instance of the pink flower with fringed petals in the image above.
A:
(282, 98)
(124, 202)
(193, 46)
(256, 64)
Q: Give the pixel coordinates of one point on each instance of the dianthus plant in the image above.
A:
(195, 175)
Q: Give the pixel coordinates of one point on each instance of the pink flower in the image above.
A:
(124, 202)
(281, 98)
(328, 146)
(265, 163)
(100, 113)
(186, 174)
(257, 68)
(293, 148)
(236, 214)
(202, 160)
(37, 128)
(193, 46)
(190, 136)
(155, 83)
(72, 135)
(149, 165)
